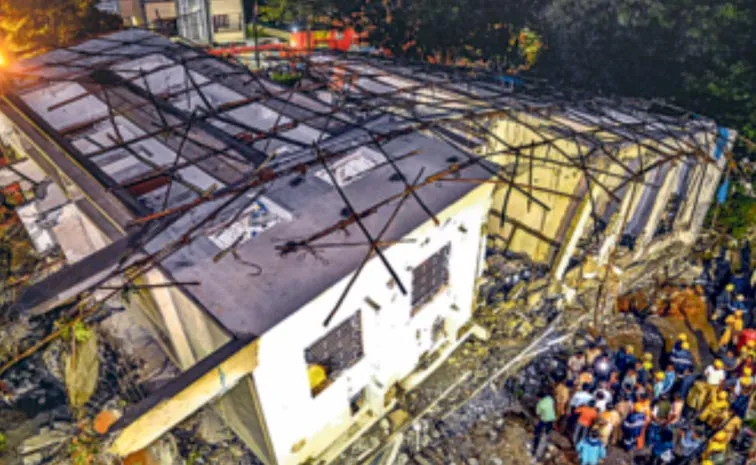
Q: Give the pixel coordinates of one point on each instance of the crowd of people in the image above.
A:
(660, 409)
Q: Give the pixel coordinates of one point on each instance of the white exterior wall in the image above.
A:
(390, 335)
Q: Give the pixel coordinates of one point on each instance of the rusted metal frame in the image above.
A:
(528, 229)
(334, 245)
(505, 201)
(155, 166)
(575, 163)
(154, 102)
(374, 248)
(404, 179)
(494, 181)
(509, 111)
(415, 118)
(647, 117)
(111, 114)
(639, 135)
(359, 222)
(530, 176)
(641, 173)
(188, 76)
(589, 189)
(178, 156)
(420, 86)
(576, 135)
(549, 143)
(476, 160)
(298, 168)
(139, 74)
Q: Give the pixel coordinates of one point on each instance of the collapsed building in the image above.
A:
(301, 254)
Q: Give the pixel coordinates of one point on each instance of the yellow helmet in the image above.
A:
(682, 337)
(629, 349)
(660, 375)
(718, 364)
(685, 346)
(722, 395)
(720, 436)
(648, 356)
(730, 287)
(747, 371)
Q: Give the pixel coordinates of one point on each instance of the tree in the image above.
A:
(697, 53)
(30, 27)
(449, 31)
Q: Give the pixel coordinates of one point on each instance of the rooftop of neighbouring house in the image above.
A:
(144, 125)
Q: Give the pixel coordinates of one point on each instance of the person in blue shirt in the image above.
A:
(661, 451)
(687, 381)
(681, 357)
(669, 379)
(624, 359)
(591, 450)
(690, 442)
(633, 427)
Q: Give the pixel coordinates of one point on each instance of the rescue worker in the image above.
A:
(697, 395)
(632, 427)
(647, 367)
(659, 384)
(743, 390)
(716, 448)
(739, 304)
(727, 335)
(625, 359)
(682, 338)
(644, 403)
(682, 358)
(732, 426)
(716, 411)
(748, 350)
(715, 376)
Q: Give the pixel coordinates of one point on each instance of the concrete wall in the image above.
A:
(393, 339)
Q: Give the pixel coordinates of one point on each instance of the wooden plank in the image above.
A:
(164, 415)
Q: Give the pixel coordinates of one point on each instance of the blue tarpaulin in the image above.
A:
(722, 192)
(722, 139)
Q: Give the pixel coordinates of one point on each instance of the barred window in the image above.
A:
(430, 277)
(340, 348)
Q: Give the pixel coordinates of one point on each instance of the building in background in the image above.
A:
(211, 21)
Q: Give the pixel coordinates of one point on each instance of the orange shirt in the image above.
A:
(587, 415)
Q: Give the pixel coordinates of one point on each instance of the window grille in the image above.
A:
(430, 277)
(340, 349)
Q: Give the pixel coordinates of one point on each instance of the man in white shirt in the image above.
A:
(581, 397)
(715, 376)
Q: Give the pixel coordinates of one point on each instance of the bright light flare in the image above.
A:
(3, 60)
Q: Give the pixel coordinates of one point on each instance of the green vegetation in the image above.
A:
(30, 28)
(3, 442)
(285, 78)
